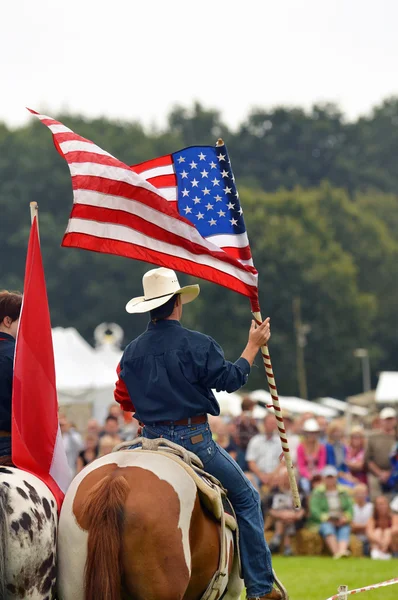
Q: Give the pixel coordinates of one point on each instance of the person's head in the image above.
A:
(10, 310)
(329, 474)
(270, 425)
(163, 296)
(357, 438)
(335, 432)
(322, 422)
(283, 480)
(247, 405)
(90, 441)
(311, 430)
(115, 410)
(106, 445)
(388, 420)
(64, 423)
(93, 426)
(360, 494)
(381, 507)
(111, 426)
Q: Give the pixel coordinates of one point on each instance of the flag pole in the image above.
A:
(275, 400)
(279, 417)
(34, 212)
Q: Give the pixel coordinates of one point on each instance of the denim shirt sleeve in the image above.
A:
(220, 374)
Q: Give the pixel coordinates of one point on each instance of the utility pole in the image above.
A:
(301, 341)
(363, 354)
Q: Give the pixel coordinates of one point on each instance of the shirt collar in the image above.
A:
(6, 337)
(163, 324)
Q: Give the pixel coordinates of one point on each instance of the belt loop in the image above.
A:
(189, 422)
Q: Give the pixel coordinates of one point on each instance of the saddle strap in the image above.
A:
(213, 590)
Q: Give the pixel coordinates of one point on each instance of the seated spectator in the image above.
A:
(130, 428)
(381, 444)
(311, 454)
(286, 519)
(73, 442)
(336, 452)
(392, 482)
(89, 453)
(331, 511)
(382, 530)
(246, 426)
(363, 511)
(115, 410)
(323, 428)
(225, 441)
(293, 437)
(263, 452)
(106, 444)
(111, 428)
(93, 427)
(355, 457)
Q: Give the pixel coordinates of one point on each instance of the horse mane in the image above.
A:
(103, 515)
(4, 533)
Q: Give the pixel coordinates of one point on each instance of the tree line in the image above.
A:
(320, 197)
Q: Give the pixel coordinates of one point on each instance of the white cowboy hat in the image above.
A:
(311, 426)
(159, 286)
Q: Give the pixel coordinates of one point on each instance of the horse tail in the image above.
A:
(103, 512)
(4, 533)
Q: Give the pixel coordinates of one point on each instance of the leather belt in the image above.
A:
(196, 420)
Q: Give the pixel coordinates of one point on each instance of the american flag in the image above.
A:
(117, 211)
(198, 181)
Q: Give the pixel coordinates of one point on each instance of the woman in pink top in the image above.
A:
(311, 455)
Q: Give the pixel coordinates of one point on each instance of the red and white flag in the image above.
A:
(37, 445)
(116, 211)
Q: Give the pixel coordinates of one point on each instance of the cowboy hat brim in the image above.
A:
(140, 305)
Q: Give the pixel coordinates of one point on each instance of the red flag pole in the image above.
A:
(278, 415)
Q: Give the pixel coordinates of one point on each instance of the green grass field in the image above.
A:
(317, 578)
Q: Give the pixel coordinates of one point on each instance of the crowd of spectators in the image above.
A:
(348, 480)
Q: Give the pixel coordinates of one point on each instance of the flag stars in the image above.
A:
(194, 183)
(224, 173)
(215, 181)
(237, 194)
(240, 211)
(200, 216)
(204, 173)
(218, 198)
(193, 165)
(227, 190)
(181, 159)
(206, 192)
(220, 157)
(221, 213)
(230, 205)
(187, 209)
(233, 221)
(202, 156)
(185, 193)
(209, 206)
(196, 200)
(184, 174)
(212, 222)
(213, 164)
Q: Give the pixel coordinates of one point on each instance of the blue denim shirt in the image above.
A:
(7, 348)
(170, 371)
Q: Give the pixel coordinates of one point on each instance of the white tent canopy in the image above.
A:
(82, 374)
(344, 407)
(387, 387)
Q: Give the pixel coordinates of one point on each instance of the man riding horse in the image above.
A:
(166, 376)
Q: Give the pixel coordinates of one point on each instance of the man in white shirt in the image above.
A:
(263, 452)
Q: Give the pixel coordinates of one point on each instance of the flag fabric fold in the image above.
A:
(37, 445)
(129, 211)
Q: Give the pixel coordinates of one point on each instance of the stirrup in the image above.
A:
(280, 587)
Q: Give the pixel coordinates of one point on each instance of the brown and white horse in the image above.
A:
(132, 527)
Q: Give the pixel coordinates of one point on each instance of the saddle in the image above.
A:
(211, 492)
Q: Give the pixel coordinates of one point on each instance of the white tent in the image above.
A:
(294, 405)
(344, 407)
(387, 387)
(82, 376)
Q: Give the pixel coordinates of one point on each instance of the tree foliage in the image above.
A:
(320, 198)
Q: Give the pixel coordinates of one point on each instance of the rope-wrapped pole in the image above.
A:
(279, 418)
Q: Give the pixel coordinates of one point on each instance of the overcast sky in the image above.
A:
(135, 59)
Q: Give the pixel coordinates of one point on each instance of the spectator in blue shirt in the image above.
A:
(166, 376)
(10, 309)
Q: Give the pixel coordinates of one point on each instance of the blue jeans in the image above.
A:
(255, 554)
(342, 533)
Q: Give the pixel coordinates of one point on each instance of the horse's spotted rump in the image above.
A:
(31, 519)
